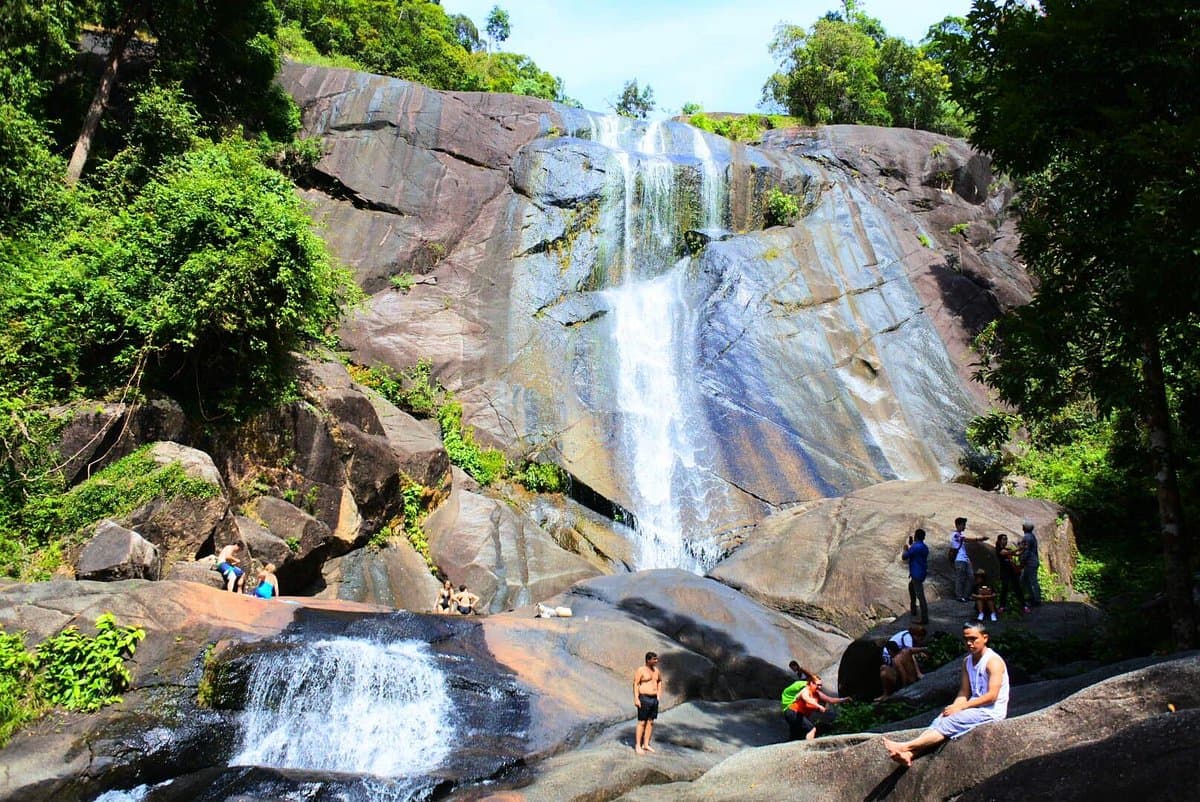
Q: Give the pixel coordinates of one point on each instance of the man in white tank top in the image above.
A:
(982, 697)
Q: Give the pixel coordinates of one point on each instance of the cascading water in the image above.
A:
(350, 705)
(653, 332)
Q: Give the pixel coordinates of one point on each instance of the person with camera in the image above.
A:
(916, 554)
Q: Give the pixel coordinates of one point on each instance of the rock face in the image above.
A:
(714, 644)
(115, 552)
(501, 555)
(1091, 726)
(838, 560)
(798, 362)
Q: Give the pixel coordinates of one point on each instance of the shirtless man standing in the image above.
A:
(647, 681)
(227, 565)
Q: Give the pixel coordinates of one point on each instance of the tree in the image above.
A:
(498, 28)
(1093, 108)
(225, 55)
(466, 33)
(634, 102)
(827, 74)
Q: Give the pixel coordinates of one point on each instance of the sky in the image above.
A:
(711, 52)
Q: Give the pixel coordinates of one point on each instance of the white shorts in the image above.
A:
(961, 722)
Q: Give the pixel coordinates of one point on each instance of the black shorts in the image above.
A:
(798, 725)
(648, 710)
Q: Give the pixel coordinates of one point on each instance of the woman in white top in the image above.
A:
(982, 697)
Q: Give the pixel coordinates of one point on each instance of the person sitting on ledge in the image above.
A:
(982, 698)
(465, 601)
(900, 667)
(268, 583)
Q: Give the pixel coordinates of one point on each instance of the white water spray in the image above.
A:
(653, 336)
(348, 705)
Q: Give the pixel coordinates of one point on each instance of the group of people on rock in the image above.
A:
(455, 602)
(1018, 572)
(229, 562)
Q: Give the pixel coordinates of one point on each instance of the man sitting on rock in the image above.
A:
(465, 601)
(900, 660)
(982, 697)
(227, 565)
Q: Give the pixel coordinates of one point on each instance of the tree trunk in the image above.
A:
(116, 52)
(1177, 565)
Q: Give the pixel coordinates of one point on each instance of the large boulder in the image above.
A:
(97, 433)
(114, 552)
(714, 644)
(1087, 725)
(500, 554)
(392, 576)
(838, 560)
(184, 527)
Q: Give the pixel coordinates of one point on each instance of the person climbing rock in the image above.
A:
(899, 654)
(227, 564)
(647, 683)
(464, 601)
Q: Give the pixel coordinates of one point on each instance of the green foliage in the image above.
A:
(690, 108)
(293, 544)
(413, 390)
(84, 673)
(47, 518)
(201, 288)
(79, 672)
(483, 465)
(854, 716)
(925, 241)
(498, 27)
(780, 209)
(742, 127)
(409, 524)
(845, 69)
(542, 477)
(959, 229)
(18, 667)
(634, 102)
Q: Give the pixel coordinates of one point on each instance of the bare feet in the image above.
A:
(897, 752)
(648, 748)
(639, 750)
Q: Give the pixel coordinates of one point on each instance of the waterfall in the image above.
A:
(348, 705)
(653, 333)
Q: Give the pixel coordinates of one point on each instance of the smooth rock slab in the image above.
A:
(115, 552)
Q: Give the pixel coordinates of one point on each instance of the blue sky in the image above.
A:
(712, 52)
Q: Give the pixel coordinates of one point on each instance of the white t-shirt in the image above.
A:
(959, 541)
(978, 677)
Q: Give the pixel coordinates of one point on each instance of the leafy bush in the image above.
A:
(79, 672)
(862, 716)
(50, 517)
(413, 390)
(86, 672)
(202, 288)
(484, 465)
(781, 209)
(542, 477)
(17, 670)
